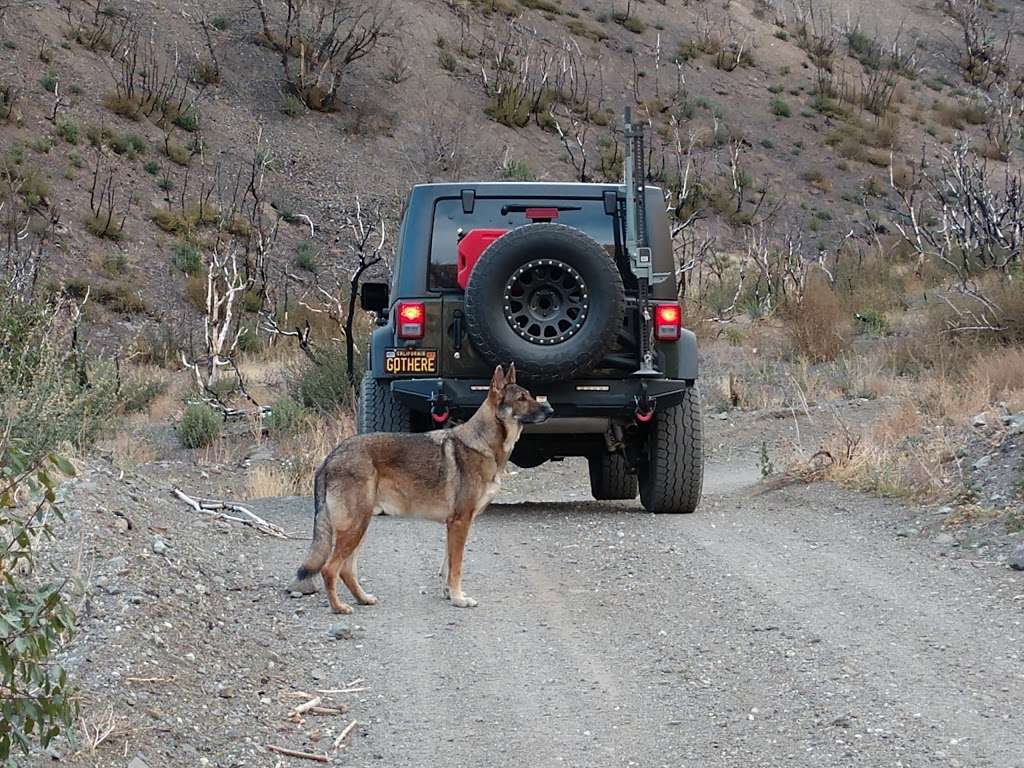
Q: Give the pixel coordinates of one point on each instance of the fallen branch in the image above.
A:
(304, 707)
(328, 710)
(213, 507)
(344, 733)
(331, 691)
(296, 753)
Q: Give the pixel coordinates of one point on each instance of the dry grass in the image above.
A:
(816, 325)
(305, 451)
(129, 450)
(893, 458)
(998, 374)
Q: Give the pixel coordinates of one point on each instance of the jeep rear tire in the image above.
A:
(378, 410)
(672, 468)
(547, 297)
(610, 478)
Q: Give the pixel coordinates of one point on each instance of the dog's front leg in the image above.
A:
(442, 575)
(458, 530)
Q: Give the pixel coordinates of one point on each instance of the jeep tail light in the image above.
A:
(668, 319)
(412, 318)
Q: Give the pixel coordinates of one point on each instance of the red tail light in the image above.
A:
(412, 320)
(668, 319)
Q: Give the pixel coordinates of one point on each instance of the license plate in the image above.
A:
(401, 360)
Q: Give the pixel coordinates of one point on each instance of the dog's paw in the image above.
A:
(368, 600)
(464, 602)
(446, 592)
(343, 608)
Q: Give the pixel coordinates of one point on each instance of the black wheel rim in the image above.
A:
(546, 302)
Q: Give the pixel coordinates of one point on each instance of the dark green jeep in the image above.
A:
(541, 275)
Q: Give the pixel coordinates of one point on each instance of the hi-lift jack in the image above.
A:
(638, 251)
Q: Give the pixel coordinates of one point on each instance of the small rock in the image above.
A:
(159, 546)
(983, 462)
(226, 692)
(138, 762)
(295, 594)
(723, 416)
(1015, 424)
(906, 533)
(116, 564)
(946, 539)
(979, 420)
(1016, 560)
(342, 631)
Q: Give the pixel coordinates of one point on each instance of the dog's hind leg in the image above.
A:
(346, 543)
(350, 575)
(330, 574)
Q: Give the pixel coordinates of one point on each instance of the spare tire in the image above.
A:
(547, 297)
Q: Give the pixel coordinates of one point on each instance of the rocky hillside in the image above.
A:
(129, 129)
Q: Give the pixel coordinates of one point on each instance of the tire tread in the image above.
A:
(674, 477)
(378, 410)
(610, 478)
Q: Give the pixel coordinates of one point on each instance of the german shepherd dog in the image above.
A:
(447, 475)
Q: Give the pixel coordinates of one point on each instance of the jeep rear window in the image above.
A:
(450, 223)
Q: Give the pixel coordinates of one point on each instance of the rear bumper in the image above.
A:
(597, 398)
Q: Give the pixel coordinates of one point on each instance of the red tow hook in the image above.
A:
(644, 416)
(439, 417)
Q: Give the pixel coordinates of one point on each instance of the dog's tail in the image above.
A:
(320, 549)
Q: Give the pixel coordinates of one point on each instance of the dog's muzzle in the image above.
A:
(541, 415)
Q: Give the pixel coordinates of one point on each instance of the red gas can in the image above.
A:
(471, 247)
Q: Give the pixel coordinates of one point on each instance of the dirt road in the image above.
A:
(798, 627)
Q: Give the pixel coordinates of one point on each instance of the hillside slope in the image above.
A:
(785, 113)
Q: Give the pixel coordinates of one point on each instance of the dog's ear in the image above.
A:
(498, 380)
(511, 378)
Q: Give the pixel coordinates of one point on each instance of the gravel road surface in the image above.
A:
(788, 628)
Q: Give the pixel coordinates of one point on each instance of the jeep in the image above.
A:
(542, 275)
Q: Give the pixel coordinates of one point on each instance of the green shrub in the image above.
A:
(447, 60)
(286, 417)
(49, 394)
(151, 167)
(632, 23)
(49, 80)
(305, 256)
(67, 129)
(39, 702)
(166, 183)
(187, 258)
(872, 321)
(41, 144)
(293, 106)
(139, 391)
(780, 108)
(199, 426)
(219, 22)
(518, 170)
(324, 387)
(546, 6)
(128, 144)
(176, 153)
(188, 120)
(114, 263)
